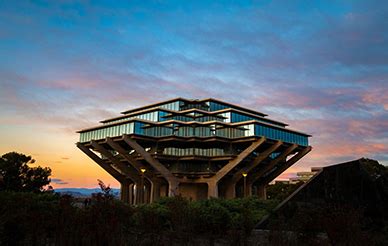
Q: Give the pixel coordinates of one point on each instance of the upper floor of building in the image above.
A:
(194, 118)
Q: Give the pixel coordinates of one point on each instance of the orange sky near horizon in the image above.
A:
(56, 150)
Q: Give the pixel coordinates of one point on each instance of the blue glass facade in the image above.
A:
(176, 106)
(280, 134)
(213, 106)
(156, 116)
(142, 128)
(229, 127)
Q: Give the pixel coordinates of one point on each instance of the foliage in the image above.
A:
(210, 216)
(280, 191)
(375, 170)
(65, 221)
(17, 175)
(340, 223)
(22, 216)
(106, 193)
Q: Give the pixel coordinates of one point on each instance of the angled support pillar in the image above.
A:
(262, 156)
(124, 181)
(124, 169)
(213, 183)
(233, 163)
(134, 163)
(231, 187)
(108, 168)
(272, 164)
(172, 181)
(289, 163)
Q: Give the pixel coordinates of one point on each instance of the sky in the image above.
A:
(320, 66)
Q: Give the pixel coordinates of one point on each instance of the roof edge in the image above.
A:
(194, 100)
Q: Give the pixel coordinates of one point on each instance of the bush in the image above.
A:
(44, 219)
(26, 216)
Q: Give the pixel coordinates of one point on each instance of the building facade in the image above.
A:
(193, 148)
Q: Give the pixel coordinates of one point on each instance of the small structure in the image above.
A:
(195, 148)
(304, 176)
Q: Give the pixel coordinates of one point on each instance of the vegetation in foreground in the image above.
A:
(49, 219)
(33, 215)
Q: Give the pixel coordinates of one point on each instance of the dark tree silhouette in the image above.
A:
(17, 175)
(106, 191)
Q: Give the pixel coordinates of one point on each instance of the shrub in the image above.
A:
(50, 219)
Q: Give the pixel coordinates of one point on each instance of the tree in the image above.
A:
(17, 175)
(280, 191)
(106, 192)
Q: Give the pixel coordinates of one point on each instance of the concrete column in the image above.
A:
(151, 192)
(147, 193)
(155, 190)
(124, 192)
(249, 189)
(173, 188)
(262, 192)
(212, 190)
(131, 199)
(138, 194)
(134, 194)
(142, 190)
(163, 190)
(230, 190)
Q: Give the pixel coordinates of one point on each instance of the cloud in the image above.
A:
(320, 68)
(376, 96)
(58, 181)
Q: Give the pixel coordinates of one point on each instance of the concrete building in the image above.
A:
(194, 148)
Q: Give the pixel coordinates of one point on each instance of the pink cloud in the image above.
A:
(376, 96)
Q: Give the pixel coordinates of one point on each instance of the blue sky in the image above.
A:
(321, 66)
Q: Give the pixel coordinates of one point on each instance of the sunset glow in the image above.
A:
(66, 66)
